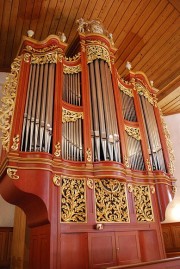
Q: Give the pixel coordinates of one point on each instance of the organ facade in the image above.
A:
(85, 154)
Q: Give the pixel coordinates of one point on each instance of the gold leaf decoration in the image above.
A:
(111, 201)
(169, 146)
(143, 205)
(73, 201)
(57, 152)
(97, 52)
(125, 90)
(57, 180)
(45, 58)
(12, 173)
(90, 183)
(89, 155)
(8, 102)
(68, 115)
(134, 132)
(71, 69)
(143, 91)
(15, 144)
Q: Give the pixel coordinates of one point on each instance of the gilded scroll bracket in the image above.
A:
(57, 180)
(12, 173)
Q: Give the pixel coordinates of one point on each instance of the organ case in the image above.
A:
(84, 154)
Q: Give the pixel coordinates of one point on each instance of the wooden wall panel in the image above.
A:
(150, 239)
(102, 250)
(128, 248)
(5, 246)
(74, 251)
(39, 257)
(171, 235)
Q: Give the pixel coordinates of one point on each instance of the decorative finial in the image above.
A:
(30, 33)
(62, 37)
(128, 66)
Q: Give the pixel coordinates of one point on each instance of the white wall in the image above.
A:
(173, 124)
(6, 210)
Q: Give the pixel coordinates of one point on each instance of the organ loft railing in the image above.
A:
(78, 108)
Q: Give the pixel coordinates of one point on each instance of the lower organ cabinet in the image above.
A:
(99, 250)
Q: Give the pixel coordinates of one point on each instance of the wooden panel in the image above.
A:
(74, 253)
(149, 238)
(39, 257)
(128, 248)
(171, 235)
(5, 246)
(101, 250)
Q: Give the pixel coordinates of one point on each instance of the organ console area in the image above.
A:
(85, 154)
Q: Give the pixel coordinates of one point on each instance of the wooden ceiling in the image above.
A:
(146, 33)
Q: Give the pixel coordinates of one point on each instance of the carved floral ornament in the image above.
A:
(57, 152)
(15, 144)
(57, 180)
(8, 101)
(111, 201)
(73, 200)
(69, 115)
(134, 132)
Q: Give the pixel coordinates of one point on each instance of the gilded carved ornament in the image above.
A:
(73, 200)
(11, 172)
(149, 165)
(98, 52)
(71, 69)
(73, 58)
(111, 201)
(126, 162)
(27, 57)
(43, 50)
(8, 102)
(69, 115)
(90, 183)
(134, 132)
(169, 146)
(15, 144)
(89, 155)
(57, 152)
(143, 91)
(143, 204)
(125, 90)
(57, 180)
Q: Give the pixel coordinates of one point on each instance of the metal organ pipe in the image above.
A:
(104, 121)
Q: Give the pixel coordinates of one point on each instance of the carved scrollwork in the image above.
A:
(126, 162)
(130, 187)
(134, 132)
(12, 173)
(15, 144)
(27, 57)
(57, 152)
(43, 50)
(143, 91)
(8, 100)
(90, 183)
(71, 69)
(111, 201)
(152, 188)
(89, 155)
(57, 180)
(169, 146)
(73, 202)
(45, 58)
(98, 52)
(125, 90)
(143, 205)
(68, 115)
(148, 165)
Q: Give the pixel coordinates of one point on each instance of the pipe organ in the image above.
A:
(85, 153)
